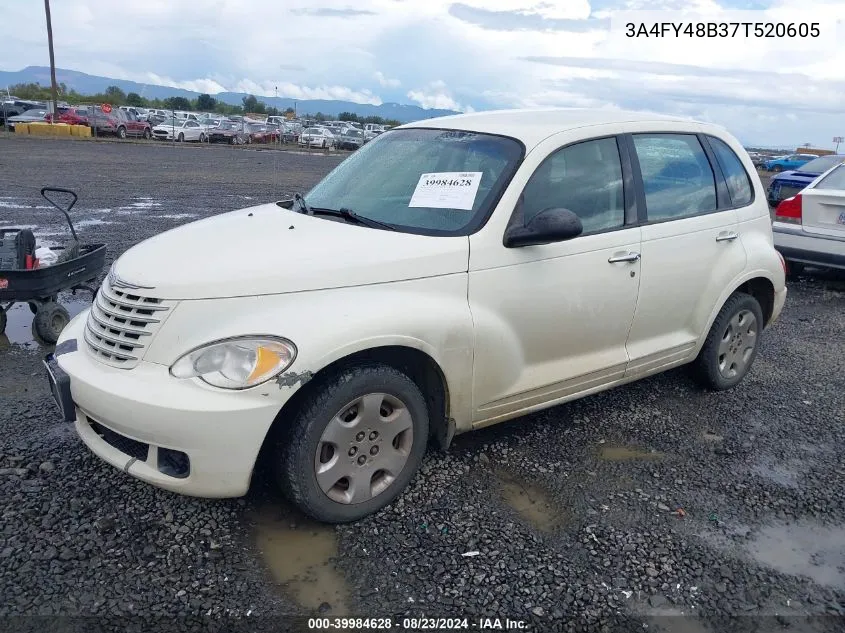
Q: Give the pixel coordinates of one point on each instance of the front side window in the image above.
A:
(739, 184)
(384, 180)
(677, 176)
(585, 178)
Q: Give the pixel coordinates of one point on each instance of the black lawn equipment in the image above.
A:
(77, 267)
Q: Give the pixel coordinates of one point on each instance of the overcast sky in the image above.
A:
(473, 54)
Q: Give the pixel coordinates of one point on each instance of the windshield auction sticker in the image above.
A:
(447, 190)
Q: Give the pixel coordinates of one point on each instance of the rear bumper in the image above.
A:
(797, 245)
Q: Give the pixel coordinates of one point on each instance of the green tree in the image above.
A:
(177, 103)
(206, 102)
(115, 95)
(250, 103)
(136, 100)
(347, 116)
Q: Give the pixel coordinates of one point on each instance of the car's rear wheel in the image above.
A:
(147, 134)
(777, 168)
(121, 132)
(732, 343)
(202, 138)
(356, 441)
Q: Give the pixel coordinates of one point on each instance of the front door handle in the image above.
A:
(625, 257)
(730, 236)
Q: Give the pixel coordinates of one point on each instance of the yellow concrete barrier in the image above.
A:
(80, 130)
(22, 128)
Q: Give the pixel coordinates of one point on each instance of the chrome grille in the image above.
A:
(121, 324)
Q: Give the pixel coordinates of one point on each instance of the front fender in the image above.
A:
(430, 315)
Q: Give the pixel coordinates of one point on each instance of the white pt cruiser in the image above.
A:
(451, 274)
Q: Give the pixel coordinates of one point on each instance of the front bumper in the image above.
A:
(154, 415)
(796, 245)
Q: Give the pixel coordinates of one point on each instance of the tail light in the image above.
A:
(789, 210)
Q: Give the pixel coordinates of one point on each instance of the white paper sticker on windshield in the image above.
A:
(447, 190)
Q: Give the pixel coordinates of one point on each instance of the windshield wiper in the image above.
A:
(348, 214)
(299, 198)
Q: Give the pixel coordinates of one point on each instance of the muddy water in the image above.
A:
(299, 555)
(19, 329)
(626, 453)
(804, 549)
(530, 502)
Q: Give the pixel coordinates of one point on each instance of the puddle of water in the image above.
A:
(531, 503)
(626, 453)
(804, 549)
(19, 325)
(299, 558)
(177, 216)
(90, 222)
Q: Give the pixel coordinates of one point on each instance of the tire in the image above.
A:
(3, 321)
(323, 146)
(777, 169)
(121, 132)
(181, 138)
(202, 138)
(304, 448)
(49, 321)
(732, 343)
(147, 134)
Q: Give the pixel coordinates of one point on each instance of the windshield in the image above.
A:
(820, 165)
(465, 172)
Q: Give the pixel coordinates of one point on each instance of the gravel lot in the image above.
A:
(629, 508)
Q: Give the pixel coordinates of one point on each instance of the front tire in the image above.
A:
(732, 343)
(356, 442)
(202, 138)
(181, 138)
(147, 134)
(777, 169)
(121, 132)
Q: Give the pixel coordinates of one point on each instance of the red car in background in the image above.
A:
(117, 122)
(72, 116)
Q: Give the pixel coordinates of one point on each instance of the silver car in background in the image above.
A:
(809, 227)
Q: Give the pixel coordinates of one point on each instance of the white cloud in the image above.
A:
(386, 82)
(436, 95)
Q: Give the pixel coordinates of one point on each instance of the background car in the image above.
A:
(226, 132)
(786, 184)
(791, 161)
(180, 130)
(30, 116)
(317, 137)
(809, 227)
(349, 138)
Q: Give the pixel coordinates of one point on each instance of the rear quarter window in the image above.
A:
(739, 184)
(834, 180)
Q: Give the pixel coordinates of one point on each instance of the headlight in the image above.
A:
(237, 363)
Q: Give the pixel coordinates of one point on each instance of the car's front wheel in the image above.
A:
(121, 132)
(356, 441)
(777, 168)
(732, 343)
(147, 134)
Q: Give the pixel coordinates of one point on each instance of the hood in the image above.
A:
(271, 250)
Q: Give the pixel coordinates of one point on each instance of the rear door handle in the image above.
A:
(727, 237)
(625, 257)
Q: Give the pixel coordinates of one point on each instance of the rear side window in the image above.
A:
(677, 176)
(834, 180)
(739, 184)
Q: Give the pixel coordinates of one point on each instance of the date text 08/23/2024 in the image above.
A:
(417, 624)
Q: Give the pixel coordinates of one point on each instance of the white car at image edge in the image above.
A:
(809, 227)
(453, 273)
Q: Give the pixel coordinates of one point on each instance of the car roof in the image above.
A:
(533, 125)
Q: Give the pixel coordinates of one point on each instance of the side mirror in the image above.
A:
(547, 227)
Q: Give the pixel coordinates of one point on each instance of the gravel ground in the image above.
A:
(654, 504)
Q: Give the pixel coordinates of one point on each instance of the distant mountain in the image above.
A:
(92, 84)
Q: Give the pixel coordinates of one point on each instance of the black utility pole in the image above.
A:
(53, 87)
